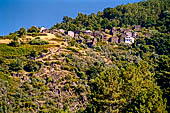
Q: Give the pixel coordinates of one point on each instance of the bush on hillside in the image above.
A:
(14, 44)
(31, 67)
(38, 42)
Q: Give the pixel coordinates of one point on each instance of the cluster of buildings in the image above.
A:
(114, 35)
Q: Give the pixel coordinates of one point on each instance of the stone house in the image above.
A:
(89, 43)
(113, 39)
(107, 31)
(94, 41)
(129, 34)
(43, 30)
(122, 30)
(135, 34)
(104, 39)
(114, 28)
(62, 31)
(71, 33)
(137, 27)
(113, 31)
(53, 31)
(97, 33)
(79, 41)
(122, 38)
(129, 40)
(123, 35)
(76, 33)
(127, 30)
(148, 35)
(88, 32)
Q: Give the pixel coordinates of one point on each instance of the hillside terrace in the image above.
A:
(115, 35)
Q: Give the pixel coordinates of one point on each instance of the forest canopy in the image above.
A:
(149, 14)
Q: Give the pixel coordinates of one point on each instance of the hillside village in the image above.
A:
(114, 35)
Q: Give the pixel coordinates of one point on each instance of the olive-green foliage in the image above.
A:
(33, 29)
(150, 13)
(33, 54)
(22, 32)
(72, 49)
(129, 89)
(160, 43)
(32, 66)
(163, 77)
(15, 42)
(23, 50)
(16, 65)
(38, 42)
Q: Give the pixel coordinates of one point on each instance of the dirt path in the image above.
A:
(5, 41)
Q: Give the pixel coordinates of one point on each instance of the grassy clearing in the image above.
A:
(5, 41)
(7, 51)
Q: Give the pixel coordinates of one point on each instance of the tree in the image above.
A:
(106, 23)
(33, 54)
(22, 32)
(16, 66)
(150, 13)
(15, 42)
(38, 42)
(163, 77)
(130, 89)
(33, 29)
(31, 67)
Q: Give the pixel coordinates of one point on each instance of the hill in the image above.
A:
(115, 61)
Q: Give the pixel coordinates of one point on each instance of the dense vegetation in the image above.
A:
(150, 14)
(104, 78)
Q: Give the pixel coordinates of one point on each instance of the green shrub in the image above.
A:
(66, 67)
(38, 42)
(34, 34)
(72, 49)
(33, 29)
(1, 60)
(44, 50)
(58, 62)
(82, 75)
(67, 60)
(33, 54)
(31, 67)
(16, 66)
(63, 54)
(14, 44)
(66, 86)
(47, 63)
(37, 38)
(98, 48)
(57, 45)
